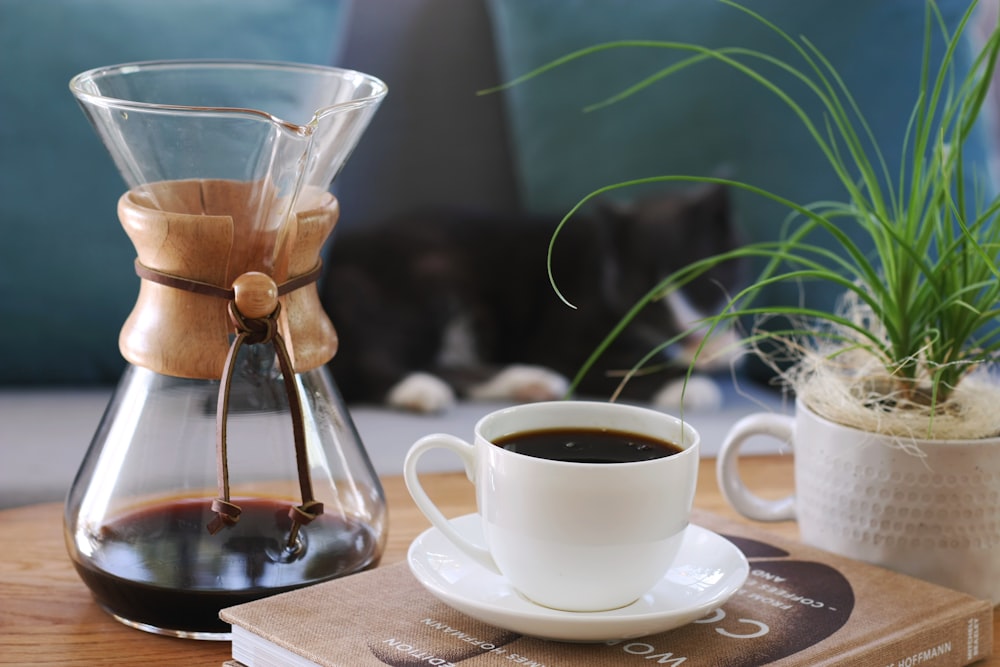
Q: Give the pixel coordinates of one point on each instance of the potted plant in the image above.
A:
(896, 433)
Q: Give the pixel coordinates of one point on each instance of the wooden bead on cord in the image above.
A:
(256, 294)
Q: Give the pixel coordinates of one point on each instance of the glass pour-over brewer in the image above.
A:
(226, 467)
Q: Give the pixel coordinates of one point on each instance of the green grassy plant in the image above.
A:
(926, 294)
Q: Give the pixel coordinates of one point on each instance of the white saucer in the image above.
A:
(708, 570)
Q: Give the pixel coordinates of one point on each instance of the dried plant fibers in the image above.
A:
(838, 373)
(852, 399)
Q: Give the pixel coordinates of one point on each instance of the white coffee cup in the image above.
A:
(569, 535)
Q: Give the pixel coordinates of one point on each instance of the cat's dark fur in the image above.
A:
(398, 292)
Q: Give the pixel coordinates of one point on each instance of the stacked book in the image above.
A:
(799, 607)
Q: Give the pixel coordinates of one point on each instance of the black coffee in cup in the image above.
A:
(587, 445)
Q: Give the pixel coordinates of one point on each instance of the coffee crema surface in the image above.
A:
(587, 445)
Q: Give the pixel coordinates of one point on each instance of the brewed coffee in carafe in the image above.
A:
(226, 467)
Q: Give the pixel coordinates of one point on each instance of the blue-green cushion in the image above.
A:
(66, 278)
(708, 120)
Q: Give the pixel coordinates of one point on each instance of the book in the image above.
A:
(800, 606)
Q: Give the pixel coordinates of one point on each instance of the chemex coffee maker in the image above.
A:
(226, 467)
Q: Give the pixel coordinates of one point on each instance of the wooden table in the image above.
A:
(47, 616)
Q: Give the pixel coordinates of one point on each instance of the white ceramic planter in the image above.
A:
(866, 496)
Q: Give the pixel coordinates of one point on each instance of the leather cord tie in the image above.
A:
(208, 289)
(259, 326)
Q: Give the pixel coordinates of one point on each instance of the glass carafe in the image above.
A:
(226, 467)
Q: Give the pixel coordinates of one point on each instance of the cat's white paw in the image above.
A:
(701, 394)
(522, 383)
(421, 392)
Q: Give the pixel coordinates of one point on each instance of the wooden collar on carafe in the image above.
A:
(254, 310)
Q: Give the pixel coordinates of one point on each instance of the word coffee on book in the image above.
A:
(799, 607)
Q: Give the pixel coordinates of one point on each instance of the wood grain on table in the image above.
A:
(47, 616)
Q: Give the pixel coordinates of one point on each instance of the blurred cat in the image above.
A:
(440, 305)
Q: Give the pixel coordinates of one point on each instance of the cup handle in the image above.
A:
(727, 472)
(466, 452)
